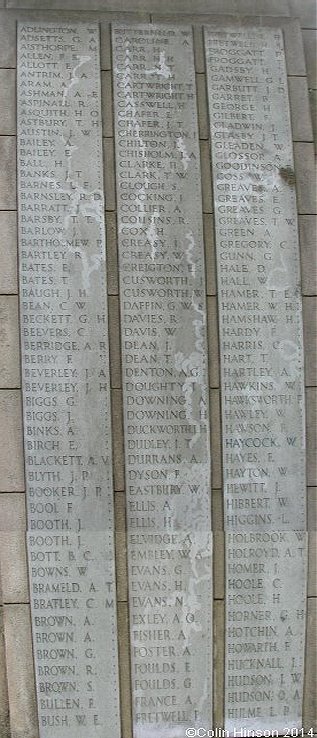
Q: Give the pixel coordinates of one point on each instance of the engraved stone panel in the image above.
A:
(65, 376)
(261, 347)
(165, 385)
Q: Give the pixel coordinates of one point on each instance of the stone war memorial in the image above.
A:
(158, 394)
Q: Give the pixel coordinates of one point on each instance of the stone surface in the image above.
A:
(66, 382)
(312, 564)
(4, 701)
(310, 49)
(184, 6)
(7, 102)
(19, 659)
(121, 547)
(310, 340)
(210, 255)
(9, 339)
(310, 706)
(199, 52)
(300, 110)
(313, 110)
(118, 448)
(165, 381)
(261, 357)
(218, 544)
(107, 113)
(294, 48)
(7, 40)
(105, 46)
(125, 671)
(308, 237)
(8, 253)
(219, 659)
(312, 509)
(305, 10)
(112, 254)
(305, 171)
(7, 173)
(202, 106)
(311, 434)
(11, 445)
(109, 174)
(12, 512)
(114, 342)
(206, 177)
(216, 438)
(13, 566)
(213, 341)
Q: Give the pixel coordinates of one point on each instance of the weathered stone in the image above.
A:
(213, 341)
(312, 564)
(310, 340)
(310, 49)
(125, 671)
(4, 701)
(313, 109)
(218, 545)
(7, 102)
(20, 672)
(9, 334)
(308, 237)
(149, 6)
(263, 7)
(202, 106)
(305, 173)
(311, 434)
(13, 565)
(7, 40)
(294, 49)
(12, 511)
(306, 11)
(107, 113)
(7, 173)
(109, 174)
(206, 177)
(165, 382)
(210, 256)
(8, 253)
(312, 509)
(216, 437)
(11, 445)
(199, 53)
(300, 110)
(121, 547)
(117, 430)
(105, 46)
(219, 664)
(114, 342)
(112, 254)
(310, 692)
(66, 380)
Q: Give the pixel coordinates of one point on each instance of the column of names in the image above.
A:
(166, 415)
(261, 349)
(65, 380)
